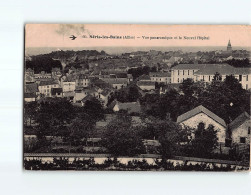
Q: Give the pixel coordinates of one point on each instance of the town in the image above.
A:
(160, 107)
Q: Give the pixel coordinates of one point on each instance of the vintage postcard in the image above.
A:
(137, 97)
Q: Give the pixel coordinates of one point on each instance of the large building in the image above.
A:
(206, 72)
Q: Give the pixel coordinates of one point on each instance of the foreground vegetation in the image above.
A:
(114, 164)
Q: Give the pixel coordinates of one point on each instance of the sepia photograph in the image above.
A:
(127, 97)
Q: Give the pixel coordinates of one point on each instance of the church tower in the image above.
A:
(229, 47)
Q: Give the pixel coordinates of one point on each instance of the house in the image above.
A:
(56, 73)
(116, 83)
(29, 97)
(240, 129)
(201, 114)
(45, 87)
(160, 77)
(104, 96)
(30, 92)
(82, 80)
(131, 107)
(29, 76)
(69, 86)
(31, 88)
(85, 99)
(146, 85)
(57, 92)
(42, 75)
(82, 92)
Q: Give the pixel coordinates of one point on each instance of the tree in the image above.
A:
(133, 94)
(168, 133)
(205, 141)
(217, 77)
(187, 87)
(226, 99)
(94, 109)
(53, 115)
(121, 139)
(169, 137)
(80, 129)
(30, 110)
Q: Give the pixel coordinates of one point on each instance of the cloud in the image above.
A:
(69, 29)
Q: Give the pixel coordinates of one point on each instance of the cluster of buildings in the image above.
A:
(76, 85)
(238, 130)
(80, 85)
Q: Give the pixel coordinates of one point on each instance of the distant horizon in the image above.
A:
(125, 49)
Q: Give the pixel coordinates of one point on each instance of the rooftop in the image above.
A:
(56, 90)
(29, 95)
(129, 106)
(160, 74)
(115, 80)
(144, 77)
(146, 83)
(200, 109)
(239, 120)
(31, 88)
(47, 82)
(223, 69)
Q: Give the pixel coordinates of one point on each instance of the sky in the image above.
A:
(57, 35)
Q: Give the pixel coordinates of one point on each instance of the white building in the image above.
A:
(182, 72)
(240, 129)
(82, 81)
(160, 77)
(206, 72)
(45, 87)
(201, 114)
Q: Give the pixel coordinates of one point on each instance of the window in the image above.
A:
(203, 78)
(47, 86)
(178, 80)
(178, 72)
(240, 77)
(242, 140)
(209, 77)
(188, 72)
(193, 71)
(246, 86)
(248, 130)
(183, 72)
(247, 78)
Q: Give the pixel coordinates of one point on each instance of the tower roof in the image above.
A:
(229, 43)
